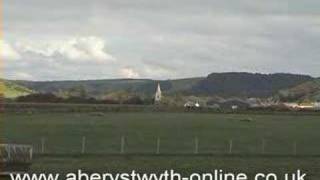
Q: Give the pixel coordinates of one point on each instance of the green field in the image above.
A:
(265, 143)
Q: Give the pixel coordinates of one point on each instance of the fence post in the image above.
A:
(196, 145)
(122, 144)
(9, 152)
(158, 146)
(295, 148)
(83, 148)
(230, 146)
(31, 153)
(43, 141)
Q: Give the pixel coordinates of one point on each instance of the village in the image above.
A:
(236, 103)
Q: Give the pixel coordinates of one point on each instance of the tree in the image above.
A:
(78, 91)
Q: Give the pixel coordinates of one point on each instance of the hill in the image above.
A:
(215, 84)
(247, 84)
(308, 91)
(13, 90)
(99, 88)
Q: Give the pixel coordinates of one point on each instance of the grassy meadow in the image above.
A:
(259, 142)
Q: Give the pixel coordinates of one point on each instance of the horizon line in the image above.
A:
(168, 79)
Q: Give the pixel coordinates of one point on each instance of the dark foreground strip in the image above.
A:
(185, 155)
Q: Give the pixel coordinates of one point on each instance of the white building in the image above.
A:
(191, 104)
(234, 107)
(292, 105)
(305, 106)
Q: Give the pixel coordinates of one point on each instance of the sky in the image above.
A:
(158, 39)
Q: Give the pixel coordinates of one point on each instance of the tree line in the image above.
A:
(52, 98)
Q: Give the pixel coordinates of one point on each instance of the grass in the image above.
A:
(63, 133)
(182, 164)
(12, 90)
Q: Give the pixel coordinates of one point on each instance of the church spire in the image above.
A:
(158, 94)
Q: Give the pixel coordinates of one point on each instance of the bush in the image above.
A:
(40, 98)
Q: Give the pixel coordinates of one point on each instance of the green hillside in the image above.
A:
(241, 84)
(216, 84)
(99, 88)
(308, 91)
(12, 90)
(95, 88)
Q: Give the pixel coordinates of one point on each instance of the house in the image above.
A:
(306, 106)
(188, 104)
(261, 103)
(291, 105)
(254, 102)
(303, 106)
(234, 107)
(234, 104)
(191, 104)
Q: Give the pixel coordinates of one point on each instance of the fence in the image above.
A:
(15, 153)
(167, 146)
(15, 158)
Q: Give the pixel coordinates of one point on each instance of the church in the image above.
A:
(158, 95)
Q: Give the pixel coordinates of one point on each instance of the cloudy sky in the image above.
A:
(161, 39)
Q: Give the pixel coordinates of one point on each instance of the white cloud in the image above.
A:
(85, 48)
(181, 38)
(129, 73)
(91, 49)
(157, 71)
(56, 58)
(8, 52)
(21, 75)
